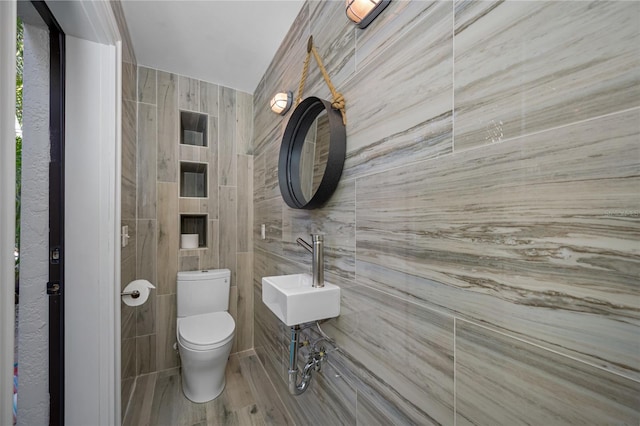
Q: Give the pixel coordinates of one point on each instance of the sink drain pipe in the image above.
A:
(296, 388)
(314, 362)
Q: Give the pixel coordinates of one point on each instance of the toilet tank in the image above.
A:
(202, 292)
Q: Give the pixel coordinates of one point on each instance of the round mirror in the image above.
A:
(315, 153)
(312, 154)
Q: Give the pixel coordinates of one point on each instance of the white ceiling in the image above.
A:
(228, 42)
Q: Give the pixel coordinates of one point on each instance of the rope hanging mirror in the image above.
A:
(338, 100)
(314, 144)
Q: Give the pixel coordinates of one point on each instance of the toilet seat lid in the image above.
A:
(206, 330)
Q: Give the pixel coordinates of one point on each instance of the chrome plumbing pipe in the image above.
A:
(314, 360)
(318, 260)
(296, 388)
(317, 252)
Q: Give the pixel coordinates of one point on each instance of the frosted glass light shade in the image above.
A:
(363, 12)
(281, 102)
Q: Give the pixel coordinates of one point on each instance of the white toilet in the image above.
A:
(204, 331)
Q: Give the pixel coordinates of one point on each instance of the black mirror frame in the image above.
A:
(291, 153)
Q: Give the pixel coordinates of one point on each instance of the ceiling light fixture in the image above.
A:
(281, 102)
(363, 12)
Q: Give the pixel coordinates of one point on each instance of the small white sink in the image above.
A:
(294, 301)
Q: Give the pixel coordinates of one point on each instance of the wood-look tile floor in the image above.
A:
(248, 399)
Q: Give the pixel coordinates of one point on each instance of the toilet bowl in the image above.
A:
(204, 331)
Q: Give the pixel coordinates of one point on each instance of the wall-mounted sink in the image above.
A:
(295, 301)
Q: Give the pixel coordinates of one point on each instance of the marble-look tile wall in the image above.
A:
(228, 206)
(485, 230)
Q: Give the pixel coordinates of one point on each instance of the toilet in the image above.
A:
(204, 331)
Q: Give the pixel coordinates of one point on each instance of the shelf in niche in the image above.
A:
(193, 128)
(194, 224)
(193, 180)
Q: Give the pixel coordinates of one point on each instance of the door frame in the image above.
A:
(92, 294)
(7, 203)
(93, 21)
(56, 282)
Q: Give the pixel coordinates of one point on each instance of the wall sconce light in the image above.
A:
(363, 12)
(281, 102)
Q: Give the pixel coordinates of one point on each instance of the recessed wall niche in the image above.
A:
(195, 224)
(193, 128)
(193, 179)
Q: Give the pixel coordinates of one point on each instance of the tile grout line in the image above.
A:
(264, 370)
(544, 348)
(453, 151)
(137, 219)
(157, 221)
(198, 96)
(155, 234)
(355, 52)
(128, 406)
(484, 146)
(550, 129)
(356, 413)
(355, 230)
(459, 318)
(420, 305)
(453, 78)
(374, 56)
(455, 381)
(403, 166)
(218, 167)
(217, 212)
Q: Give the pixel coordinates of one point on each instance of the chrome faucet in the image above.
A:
(318, 258)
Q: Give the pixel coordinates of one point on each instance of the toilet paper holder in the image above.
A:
(134, 294)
